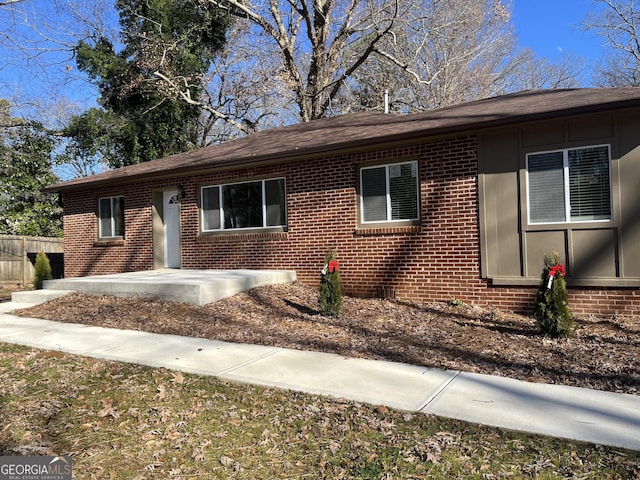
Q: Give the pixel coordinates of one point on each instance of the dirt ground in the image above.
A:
(603, 354)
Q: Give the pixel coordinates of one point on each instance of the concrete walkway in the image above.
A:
(559, 411)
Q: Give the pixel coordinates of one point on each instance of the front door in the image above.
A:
(171, 225)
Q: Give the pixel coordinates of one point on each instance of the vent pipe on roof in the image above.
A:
(386, 101)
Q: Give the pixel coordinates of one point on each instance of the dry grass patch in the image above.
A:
(123, 421)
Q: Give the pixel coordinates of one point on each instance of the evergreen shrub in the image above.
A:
(43, 270)
(552, 313)
(330, 297)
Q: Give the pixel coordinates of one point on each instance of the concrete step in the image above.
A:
(37, 296)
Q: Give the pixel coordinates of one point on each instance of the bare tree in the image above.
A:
(528, 72)
(243, 91)
(618, 23)
(445, 52)
(315, 42)
(38, 42)
(245, 85)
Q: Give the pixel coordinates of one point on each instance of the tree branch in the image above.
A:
(362, 58)
(185, 95)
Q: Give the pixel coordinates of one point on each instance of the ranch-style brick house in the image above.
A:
(456, 203)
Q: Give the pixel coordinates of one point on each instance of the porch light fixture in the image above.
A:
(181, 192)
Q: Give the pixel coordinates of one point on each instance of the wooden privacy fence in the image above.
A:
(18, 256)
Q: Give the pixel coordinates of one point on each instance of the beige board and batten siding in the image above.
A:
(596, 253)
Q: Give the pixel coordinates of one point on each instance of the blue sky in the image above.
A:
(550, 27)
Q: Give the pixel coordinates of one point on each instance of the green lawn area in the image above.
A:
(122, 421)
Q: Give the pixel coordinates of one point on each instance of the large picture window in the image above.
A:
(389, 193)
(570, 185)
(111, 213)
(258, 204)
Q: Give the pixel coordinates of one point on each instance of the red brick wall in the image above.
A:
(436, 261)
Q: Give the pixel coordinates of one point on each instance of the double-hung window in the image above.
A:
(389, 193)
(257, 204)
(570, 185)
(111, 217)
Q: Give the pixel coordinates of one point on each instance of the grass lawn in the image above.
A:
(122, 421)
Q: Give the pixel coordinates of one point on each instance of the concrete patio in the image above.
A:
(196, 287)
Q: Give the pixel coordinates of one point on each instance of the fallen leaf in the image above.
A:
(109, 409)
(161, 393)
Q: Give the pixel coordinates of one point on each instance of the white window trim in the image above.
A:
(112, 219)
(567, 193)
(388, 194)
(221, 209)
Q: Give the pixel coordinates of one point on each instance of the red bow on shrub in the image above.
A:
(557, 269)
(333, 266)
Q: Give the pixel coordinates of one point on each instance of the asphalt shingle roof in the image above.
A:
(368, 129)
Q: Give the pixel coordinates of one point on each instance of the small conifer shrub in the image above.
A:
(330, 297)
(552, 313)
(43, 270)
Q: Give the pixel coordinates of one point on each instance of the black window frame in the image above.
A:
(247, 212)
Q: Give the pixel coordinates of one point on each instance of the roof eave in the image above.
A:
(471, 126)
